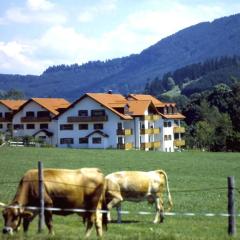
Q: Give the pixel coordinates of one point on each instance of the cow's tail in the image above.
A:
(170, 203)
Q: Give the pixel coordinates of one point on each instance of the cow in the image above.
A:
(63, 189)
(137, 186)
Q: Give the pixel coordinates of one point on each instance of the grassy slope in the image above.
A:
(187, 171)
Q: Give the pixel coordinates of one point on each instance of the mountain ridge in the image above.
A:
(196, 43)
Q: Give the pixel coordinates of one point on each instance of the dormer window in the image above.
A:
(165, 110)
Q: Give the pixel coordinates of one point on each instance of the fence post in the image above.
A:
(41, 197)
(231, 207)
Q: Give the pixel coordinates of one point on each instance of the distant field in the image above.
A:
(197, 183)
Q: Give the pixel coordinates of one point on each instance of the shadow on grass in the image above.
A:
(123, 222)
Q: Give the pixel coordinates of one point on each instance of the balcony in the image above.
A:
(179, 143)
(35, 119)
(5, 119)
(150, 118)
(150, 131)
(150, 145)
(178, 130)
(125, 132)
(87, 119)
(125, 146)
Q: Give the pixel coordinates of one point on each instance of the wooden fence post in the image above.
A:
(41, 197)
(231, 208)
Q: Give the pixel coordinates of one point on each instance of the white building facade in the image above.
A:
(101, 121)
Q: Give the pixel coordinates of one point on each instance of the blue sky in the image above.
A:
(35, 34)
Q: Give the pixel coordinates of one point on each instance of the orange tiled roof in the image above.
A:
(145, 97)
(138, 107)
(12, 104)
(111, 101)
(174, 116)
(52, 104)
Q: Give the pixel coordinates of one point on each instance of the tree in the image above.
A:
(204, 134)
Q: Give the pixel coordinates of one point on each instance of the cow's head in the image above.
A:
(12, 218)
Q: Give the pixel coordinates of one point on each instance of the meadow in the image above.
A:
(198, 184)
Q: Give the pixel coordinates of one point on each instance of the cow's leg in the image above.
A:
(119, 214)
(90, 221)
(49, 221)
(159, 210)
(27, 219)
(114, 202)
(98, 223)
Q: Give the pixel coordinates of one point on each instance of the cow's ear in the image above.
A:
(27, 214)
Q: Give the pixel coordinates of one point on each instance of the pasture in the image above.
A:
(198, 183)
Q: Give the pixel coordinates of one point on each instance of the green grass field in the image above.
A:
(198, 183)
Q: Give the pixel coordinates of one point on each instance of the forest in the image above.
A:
(209, 97)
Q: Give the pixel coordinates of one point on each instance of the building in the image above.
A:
(105, 120)
(35, 118)
(7, 109)
(169, 123)
(101, 120)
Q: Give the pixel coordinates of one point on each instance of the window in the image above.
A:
(66, 140)
(83, 113)
(97, 113)
(170, 110)
(96, 140)
(1, 126)
(43, 126)
(1, 114)
(30, 114)
(119, 125)
(8, 115)
(167, 124)
(83, 140)
(30, 126)
(165, 110)
(66, 127)
(167, 137)
(120, 140)
(98, 126)
(17, 126)
(83, 126)
(43, 114)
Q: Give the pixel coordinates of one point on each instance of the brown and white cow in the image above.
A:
(66, 189)
(137, 186)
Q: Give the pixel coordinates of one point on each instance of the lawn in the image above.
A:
(198, 184)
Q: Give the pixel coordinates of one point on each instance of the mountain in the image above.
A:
(129, 74)
(196, 78)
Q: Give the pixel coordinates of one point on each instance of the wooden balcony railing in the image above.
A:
(179, 142)
(5, 119)
(87, 119)
(150, 131)
(125, 132)
(35, 119)
(150, 117)
(150, 145)
(125, 146)
(178, 130)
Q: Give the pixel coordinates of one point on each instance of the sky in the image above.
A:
(35, 34)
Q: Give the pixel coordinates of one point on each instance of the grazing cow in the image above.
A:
(137, 186)
(66, 189)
